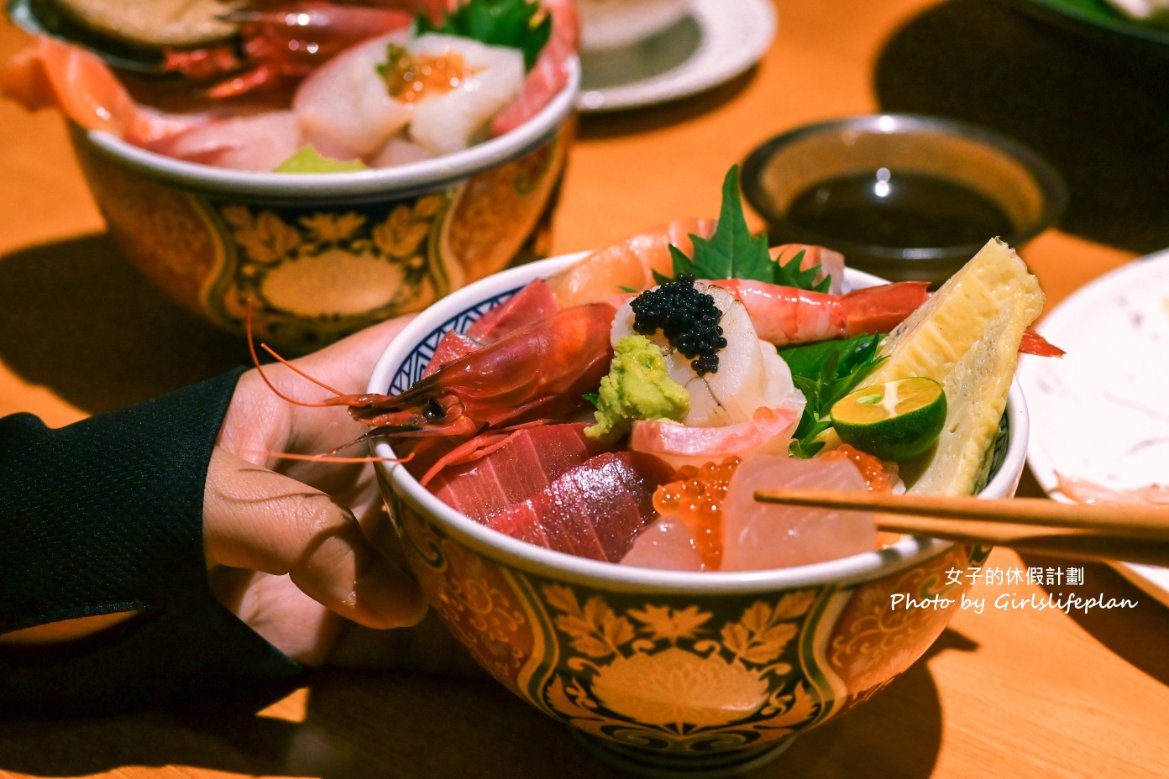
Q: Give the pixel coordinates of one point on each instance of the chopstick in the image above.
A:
(1132, 533)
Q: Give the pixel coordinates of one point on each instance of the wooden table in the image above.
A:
(1007, 692)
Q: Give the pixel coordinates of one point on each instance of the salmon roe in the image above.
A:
(875, 476)
(874, 473)
(696, 498)
(409, 78)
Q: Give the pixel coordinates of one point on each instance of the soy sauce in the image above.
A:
(898, 209)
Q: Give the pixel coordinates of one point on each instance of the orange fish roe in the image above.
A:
(696, 498)
(409, 78)
(875, 475)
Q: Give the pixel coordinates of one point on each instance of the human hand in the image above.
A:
(293, 546)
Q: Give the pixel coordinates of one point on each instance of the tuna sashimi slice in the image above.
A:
(594, 510)
(530, 304)
(530, 460)
(766, 535)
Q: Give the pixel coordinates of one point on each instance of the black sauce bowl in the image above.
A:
(1026, 191)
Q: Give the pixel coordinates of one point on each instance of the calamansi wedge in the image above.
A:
(967, 338)
(897, 420)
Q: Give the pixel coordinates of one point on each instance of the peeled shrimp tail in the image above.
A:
(788, 315)
(881, 308)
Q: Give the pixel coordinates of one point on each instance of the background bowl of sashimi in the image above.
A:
(669, 670)
(321, 255)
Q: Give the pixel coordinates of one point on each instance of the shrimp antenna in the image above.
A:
(260, 369)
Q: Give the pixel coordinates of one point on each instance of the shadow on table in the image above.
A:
(1137, 633)
(358, 725)
(1100, 117)
(75, 317)
(898, 732)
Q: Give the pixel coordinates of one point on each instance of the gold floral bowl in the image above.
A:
(323, 255)
(671, 673)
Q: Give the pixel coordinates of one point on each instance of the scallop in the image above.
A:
(453, 120)
(344, 108)
(750, 374)
(346, 111)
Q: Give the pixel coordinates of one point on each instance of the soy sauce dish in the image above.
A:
(904, 196)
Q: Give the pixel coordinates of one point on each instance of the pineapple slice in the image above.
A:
(966, 337)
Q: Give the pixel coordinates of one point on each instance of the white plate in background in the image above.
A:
(1101, 412)
(709, 46)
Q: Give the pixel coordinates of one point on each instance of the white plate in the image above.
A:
(1100, 412)
(708, 47)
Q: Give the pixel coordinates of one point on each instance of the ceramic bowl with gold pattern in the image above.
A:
(665, 672)
(324, 254)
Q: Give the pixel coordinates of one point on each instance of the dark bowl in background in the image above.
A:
(1024, 187)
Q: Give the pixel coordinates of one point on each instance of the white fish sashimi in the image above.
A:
(667, 544)
(759, 536)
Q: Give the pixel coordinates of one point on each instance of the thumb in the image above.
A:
(258, 519)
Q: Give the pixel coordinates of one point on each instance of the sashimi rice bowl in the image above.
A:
(416, 151)
(569, 452)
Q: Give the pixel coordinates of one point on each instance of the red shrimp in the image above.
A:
(788, 315)
(283, 41)
(537, 371)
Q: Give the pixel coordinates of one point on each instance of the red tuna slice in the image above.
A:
(521, 522)
(530, 304)
(766, 535)
(594, 510)
(529, 462)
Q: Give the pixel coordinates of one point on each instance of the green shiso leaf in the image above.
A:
(825, 372)
(519, 24)
(733, 252)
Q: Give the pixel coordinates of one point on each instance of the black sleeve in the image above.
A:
(103, 516)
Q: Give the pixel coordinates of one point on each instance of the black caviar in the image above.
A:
(687, 317)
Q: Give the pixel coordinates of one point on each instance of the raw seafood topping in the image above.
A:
(409, 78)
(696, 498)
(687, 317)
